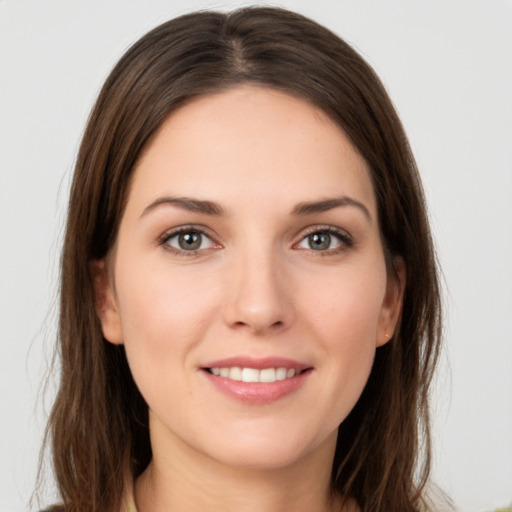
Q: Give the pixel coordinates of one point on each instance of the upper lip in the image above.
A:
(257, 363)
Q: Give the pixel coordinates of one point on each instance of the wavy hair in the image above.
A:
(98, 426)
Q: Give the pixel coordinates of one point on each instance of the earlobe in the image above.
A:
(105, 303)
(392, 306)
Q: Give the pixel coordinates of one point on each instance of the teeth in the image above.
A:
(255, 375)
(235, 373)
(281, 374)
(267, 375)
(250, 375)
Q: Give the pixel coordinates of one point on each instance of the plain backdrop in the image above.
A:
(448, 67)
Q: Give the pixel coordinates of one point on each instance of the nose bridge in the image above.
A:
(258, 296)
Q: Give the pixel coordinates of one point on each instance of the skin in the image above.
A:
(256, 287)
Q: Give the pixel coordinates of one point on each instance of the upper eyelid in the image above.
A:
(324, 228)
(169, 233)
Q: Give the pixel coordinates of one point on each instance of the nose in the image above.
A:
(259, 297)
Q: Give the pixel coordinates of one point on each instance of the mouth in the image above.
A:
(248, 374)
(257, 381)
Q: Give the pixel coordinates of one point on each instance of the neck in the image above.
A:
(185, 480)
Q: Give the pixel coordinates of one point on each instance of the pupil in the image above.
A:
(190, 241)
(320, 241)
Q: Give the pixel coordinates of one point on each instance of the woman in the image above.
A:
(250, 313)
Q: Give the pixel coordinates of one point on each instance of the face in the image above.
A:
(248, 282)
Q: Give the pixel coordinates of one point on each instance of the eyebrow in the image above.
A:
(214, 209)
(186, 203)
(325, 205)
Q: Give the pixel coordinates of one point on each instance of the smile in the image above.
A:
(266, 375)
(257, 380)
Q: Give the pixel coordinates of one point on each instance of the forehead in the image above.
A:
(259, 143)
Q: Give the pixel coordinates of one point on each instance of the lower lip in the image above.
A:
(258, 392)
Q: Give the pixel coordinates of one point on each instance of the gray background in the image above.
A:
(448, 67)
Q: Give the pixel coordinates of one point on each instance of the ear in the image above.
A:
(105, 303)
(392, 305)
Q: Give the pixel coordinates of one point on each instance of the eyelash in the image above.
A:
(346, 241)
(164, 239)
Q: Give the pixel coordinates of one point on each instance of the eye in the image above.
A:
(324, 240)
(188, 240)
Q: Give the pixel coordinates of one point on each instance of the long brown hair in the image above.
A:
(99, 423)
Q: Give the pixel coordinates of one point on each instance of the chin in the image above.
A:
(272, 451)
(261, 459)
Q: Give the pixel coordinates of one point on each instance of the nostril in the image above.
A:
(276, 325)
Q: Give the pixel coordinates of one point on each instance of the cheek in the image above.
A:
(346, 305)
(164, 315)
(343, 314)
